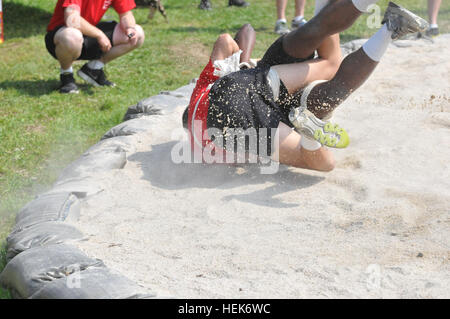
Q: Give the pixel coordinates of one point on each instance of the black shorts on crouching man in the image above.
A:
(91, 49)
(244, 100)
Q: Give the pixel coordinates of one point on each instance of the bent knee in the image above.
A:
(140, 35)
(70, 38)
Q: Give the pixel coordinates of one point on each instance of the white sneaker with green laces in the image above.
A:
(326, 133)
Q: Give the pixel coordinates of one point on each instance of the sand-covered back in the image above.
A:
(376, 226)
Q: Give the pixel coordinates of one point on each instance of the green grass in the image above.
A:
(41, 131)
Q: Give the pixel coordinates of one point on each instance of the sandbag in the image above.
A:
(182, 92)
(35, 268)
(160, 104)
(94, 161)
(40, 235)
(48, 207)
(92, 283)
(81, 187)
(132, 127)
(138, 110)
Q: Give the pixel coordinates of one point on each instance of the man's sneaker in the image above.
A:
(401, 21)
(67, 83)
(432, 32)
(205, 5)
(94, 77)
(326, 133)
(281, 28)
(295, 24)
(238, 3)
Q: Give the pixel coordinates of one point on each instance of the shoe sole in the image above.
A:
(326, 133)
(414, 22)
(70, 92)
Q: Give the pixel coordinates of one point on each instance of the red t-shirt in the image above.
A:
(91, 10)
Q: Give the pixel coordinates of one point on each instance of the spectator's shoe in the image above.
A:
(281, 28)
(205, 5)
(94, 77)
(238, 3)
(297, 24)
(432, 32)
(401, 21)
(68, 84)
(326, 133)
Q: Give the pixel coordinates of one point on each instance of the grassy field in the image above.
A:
(41, 131)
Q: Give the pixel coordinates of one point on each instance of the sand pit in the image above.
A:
(376, 226)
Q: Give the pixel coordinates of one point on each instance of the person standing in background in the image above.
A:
(433, 10)
(299, 19)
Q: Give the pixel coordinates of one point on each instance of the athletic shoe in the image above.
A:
(68, 84)
(94, 77)
(238, 3)
(281, 28)
(326, 133)
(401, 21)
(205, 5)
(297, 24)
(432, 32)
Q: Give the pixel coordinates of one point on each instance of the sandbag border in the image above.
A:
(42, 262)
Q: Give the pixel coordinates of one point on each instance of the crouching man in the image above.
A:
(76, 33)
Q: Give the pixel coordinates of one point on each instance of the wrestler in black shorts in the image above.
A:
(245, 100)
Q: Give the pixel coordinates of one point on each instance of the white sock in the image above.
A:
(378, 43)
(298, 18)
(309, 144)
(362, 5)
(69, 70)
(319, 6)
(96, 64)
(281, 20)
(433, 26)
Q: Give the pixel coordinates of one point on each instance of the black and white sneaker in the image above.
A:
(94, 77)
(68, 84)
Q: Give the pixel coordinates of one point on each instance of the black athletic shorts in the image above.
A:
(244, 99)
(91, 50)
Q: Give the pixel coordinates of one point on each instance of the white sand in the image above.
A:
(191, 231)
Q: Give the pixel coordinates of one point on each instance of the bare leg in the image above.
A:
(281, 9)
(300, 8)
(68, 45)
(295, 76)
(433, 10)
(245, 39)
(353, 72)
(122, 45)
(335, 17)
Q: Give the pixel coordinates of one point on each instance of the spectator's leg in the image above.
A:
(433, 10)
(122, 45)
(300, 8)
(68, 45)
(281, 24)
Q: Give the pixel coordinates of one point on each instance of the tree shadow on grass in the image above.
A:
(38, 88)
(21, 21)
